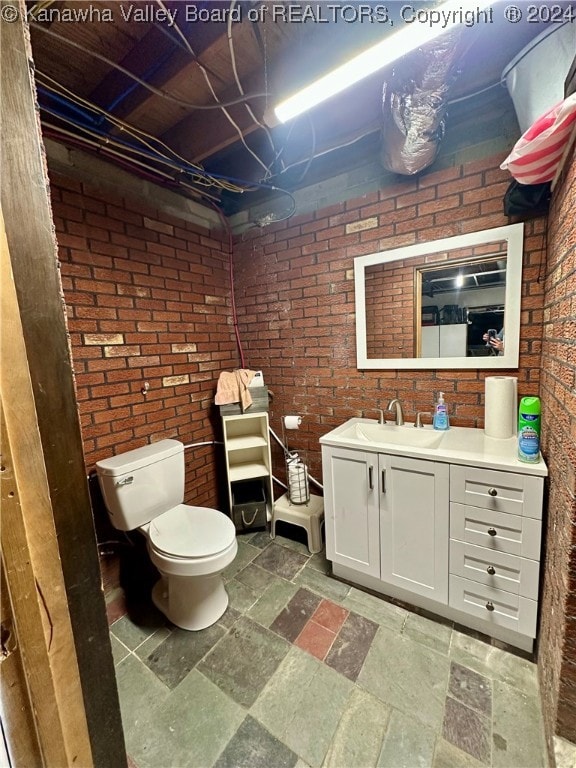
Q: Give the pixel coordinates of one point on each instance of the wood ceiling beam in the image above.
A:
(152, 48)
(190, 138)
(183, 78)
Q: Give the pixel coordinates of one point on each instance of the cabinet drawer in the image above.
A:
(497, 491)
(495, 569)
(495, 606)
(497, 531)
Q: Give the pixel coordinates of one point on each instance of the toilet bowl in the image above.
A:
(190, 546)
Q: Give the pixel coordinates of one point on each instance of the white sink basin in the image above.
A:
(390, 434)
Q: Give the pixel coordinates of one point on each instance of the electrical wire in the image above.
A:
(200, 176)
(212, 91)
(227, 229)
(130, 129)
(150, 172)
(143, 83)
(237, 78)
(475, 93)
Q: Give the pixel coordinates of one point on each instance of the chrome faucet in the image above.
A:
(418, 422)
(380, 414)
(395, 403)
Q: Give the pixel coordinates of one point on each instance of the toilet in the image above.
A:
(143, 489)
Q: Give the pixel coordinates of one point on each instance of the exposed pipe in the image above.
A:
(414, 102)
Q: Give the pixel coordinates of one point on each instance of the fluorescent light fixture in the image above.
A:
(459, 280)
(421, 26)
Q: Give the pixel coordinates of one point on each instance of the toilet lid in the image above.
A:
(190, 532)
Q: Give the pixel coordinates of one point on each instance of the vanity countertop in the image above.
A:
(458, 445)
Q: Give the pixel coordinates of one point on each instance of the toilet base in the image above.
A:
(191, 603)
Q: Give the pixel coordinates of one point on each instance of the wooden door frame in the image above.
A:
(40, 309)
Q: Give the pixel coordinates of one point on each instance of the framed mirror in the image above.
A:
(430, 305)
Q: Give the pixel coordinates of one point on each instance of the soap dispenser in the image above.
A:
(441, 420)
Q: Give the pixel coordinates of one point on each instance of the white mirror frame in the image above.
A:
(513, 235)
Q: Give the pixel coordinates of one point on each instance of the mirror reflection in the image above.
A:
(462, 307)
(450, 303)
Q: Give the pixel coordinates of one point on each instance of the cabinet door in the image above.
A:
(351, 508)
(414, 528)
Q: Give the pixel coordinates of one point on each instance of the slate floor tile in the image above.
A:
(246, 553)
(446, 755)
(302, 705)
(351, 646)
(517, 729)
(229, 617)
(261, 539)
(417, 688)
(494, 663)
(433, 634)
(359, 735)
(240, 597)
(188, 729)
(131, 634)
(146, 648)
(292, 619)
(407, 743)
(252, 746)
(326, 586)
(257, 579)
(467, 729)
(119, 651)
(375, 608)
(176, 656)
(470, 688)
(394, 690)
(139, 691)
(244, 660)
(272, 602)
(315, 639)
(330, 615)
(281, 561)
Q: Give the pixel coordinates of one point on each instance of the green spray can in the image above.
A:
(529, 430)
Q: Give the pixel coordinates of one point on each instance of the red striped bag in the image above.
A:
(538, 152)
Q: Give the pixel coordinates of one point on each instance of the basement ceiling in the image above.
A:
(180, 92)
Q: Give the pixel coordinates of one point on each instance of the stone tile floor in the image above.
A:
(304, 670)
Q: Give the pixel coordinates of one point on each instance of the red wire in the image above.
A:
(231, 272)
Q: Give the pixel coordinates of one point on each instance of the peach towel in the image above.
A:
(233, 387)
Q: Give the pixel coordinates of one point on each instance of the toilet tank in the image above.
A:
(141, 484)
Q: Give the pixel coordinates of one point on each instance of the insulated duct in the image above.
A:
(414, 103)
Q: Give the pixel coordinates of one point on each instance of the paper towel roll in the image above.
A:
(500, 399)
(292, 422)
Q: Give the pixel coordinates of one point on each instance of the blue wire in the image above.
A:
(67, 103)
(182, 167)
(151, 71)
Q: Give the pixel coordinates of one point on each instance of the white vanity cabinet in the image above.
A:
(414, 525)
(387, 516)
(452, 529)
(351, 513)
(495, 528)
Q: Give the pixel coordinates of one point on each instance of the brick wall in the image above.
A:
(148, 301)
(297, 318)
(557, 647)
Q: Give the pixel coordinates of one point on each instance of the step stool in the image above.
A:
(309, 516)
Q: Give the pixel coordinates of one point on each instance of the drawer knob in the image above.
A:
(491, 570)
(492, 531)
(489, 606)
(492, 491)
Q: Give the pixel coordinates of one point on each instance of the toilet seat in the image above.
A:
(191, 533)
